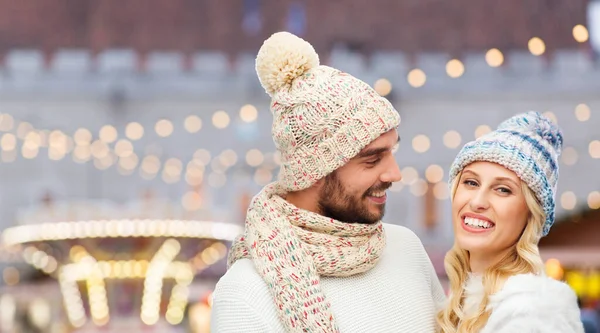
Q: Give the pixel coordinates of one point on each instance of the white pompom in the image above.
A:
(282, 58)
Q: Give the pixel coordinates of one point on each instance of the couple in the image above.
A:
(315, 256)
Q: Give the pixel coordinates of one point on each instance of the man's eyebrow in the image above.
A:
(374, 151)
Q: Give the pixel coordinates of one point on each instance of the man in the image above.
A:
(314, 256)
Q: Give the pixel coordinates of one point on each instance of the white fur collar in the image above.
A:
(538, 291)
(526, 300)
(473, 294)
(538, 288)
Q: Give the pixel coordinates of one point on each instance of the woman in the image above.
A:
(503, 192)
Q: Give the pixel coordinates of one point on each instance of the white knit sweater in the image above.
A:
(401, 294)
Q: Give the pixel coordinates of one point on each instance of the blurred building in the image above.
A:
(573, 250)
(235, 26)
(153, 110)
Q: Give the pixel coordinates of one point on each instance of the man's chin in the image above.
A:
(375, 209)
(373, 218)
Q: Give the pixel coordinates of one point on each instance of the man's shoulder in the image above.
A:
(242, 302)
(241, 274)
(241, 282)
(400, 234)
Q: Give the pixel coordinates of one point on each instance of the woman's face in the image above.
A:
(489, 210)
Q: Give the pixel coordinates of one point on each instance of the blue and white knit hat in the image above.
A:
(528, 144)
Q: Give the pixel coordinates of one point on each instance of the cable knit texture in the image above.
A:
(528, 144)
(322, 117)
(527, 303)
(292, 248)
(400, 294)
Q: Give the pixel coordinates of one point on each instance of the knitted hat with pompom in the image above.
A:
(322, 117)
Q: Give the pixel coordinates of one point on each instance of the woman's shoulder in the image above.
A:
(535, 290)
(535, 298)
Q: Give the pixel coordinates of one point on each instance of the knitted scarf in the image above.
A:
(291, 248)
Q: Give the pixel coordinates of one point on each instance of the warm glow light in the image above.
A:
(129, 162)
(416, 78)
(455, 68)
(536, 46)
(409, 175)
(8, 141)
(434, 173)
(194, 176)
(123, 148)
(419, 188)
(568, 200)
(594, 149)
(23, 129)
(82, 136)
(248, 113)
(29, 153)
(56, 154)
(582, 112)
(134, 131)
(254, 157)
(421, 143)
(202, 156)
(554, 269)
(452, 139)
(108, 133)
(494, 58)
(112, 228)
(7, 122)
(163, 128)
(228, 158)
(192, 124)
(220, 119)
(99, 149)
(263, 176)
(383, 87)
(580, 33)
(32, 140)
(482, 130)
(441, 191)
(594, 200)
(172, 171)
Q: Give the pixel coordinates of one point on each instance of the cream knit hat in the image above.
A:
(322, 117)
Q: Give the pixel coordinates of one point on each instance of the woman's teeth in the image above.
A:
(478, 223)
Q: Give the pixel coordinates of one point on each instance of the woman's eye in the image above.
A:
(470, 182)
(504, 190)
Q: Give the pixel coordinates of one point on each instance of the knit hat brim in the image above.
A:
(374, 116)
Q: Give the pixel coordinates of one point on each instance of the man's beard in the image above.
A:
(336, 203)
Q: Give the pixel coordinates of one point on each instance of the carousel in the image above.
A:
(146, 265)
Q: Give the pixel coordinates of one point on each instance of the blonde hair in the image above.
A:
(524, 257)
